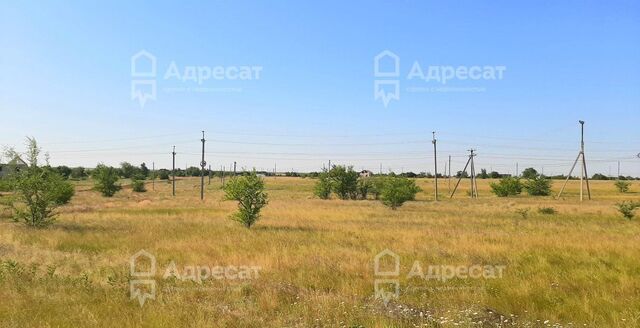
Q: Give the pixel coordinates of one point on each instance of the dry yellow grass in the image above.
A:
(578, 267)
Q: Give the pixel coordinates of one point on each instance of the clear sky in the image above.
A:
(65, 78)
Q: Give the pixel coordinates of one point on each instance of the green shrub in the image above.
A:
(507, 186)
(365, 186)
(78, 173)
(248, 190)
(622, 186)
(38, 190)
(538, 186)
(628, 208)
(344, 182)
(105, 180)
(547, 210)
(138, 185)
(397, 190)
(322, 188)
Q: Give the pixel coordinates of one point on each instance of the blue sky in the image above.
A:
(66, 79)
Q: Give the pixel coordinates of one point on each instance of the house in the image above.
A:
(366, 174)
(14, 165)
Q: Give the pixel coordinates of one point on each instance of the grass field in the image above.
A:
(579, 267)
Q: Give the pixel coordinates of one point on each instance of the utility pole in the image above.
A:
(173, 170)
(517, 170)
(234, 168)
(329, 165)
(223, 168)
(449, 173)
(153, 175)
(435, 163)
(583, 172)
(209, 174)
(474, 184)
(380, 168)
(618, 177)
(202, 166)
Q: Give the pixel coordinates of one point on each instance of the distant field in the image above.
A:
(579, 267)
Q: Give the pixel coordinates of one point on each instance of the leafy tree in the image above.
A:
(78, 173)
(345, 181)
(38, 190)
(599, 176)
(248, 190)
(106, 178)
(462, 174)
(483, 174)
(622, 186)
(507, 186)
(144, 171)
(628, 208)
(64, 171)
(322, 188)
(529, 173)
(365, 186)
(127, 170)
(397, 190)
(494, 175)
(538, 186)
(138, 185)
(163, 174)
(192, 171)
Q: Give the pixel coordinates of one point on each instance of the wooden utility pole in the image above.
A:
(474, 185)
(153, 176)
(173, 171)
(449, 173)
(203, 163)
(583, 172)
(435, 164)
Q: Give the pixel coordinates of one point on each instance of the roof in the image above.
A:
(16, 161)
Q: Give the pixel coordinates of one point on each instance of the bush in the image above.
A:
(547, 210)
(248, 190)
(508, 186)
(78, 173)
(538, 186)
(344, 182)
(322, 188)
(138, 185)
(529, 173)
(622, 186)
(397, 190)
(38, 191)
(163, 174)
(105, 180)
(365, 186)
(628, 208)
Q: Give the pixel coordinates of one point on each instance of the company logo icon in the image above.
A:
(386, 70)
(143, 77)
(386, 269)
(142, 265)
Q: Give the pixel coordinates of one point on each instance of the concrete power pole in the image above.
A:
(173, 171)
(153, 175)
(474, 185)
(583, 173)
(435, 164)
(449, 173)
(234, 168)
(202, 166)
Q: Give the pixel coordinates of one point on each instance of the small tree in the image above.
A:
(397, 190)
(622, 186)
(365, 186)
(507, 186)
(248, 190)
(127, 170)
(105, 180)
(322, 188)
(78, 173)
(529, 173)
(628, 208)
(38, 190)
(138, 185)
(538, 186)
(345, 181)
